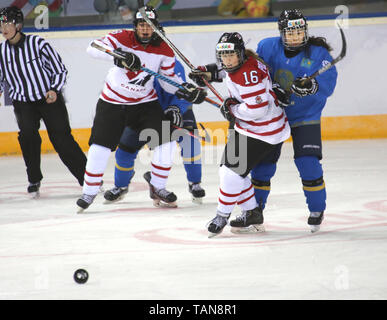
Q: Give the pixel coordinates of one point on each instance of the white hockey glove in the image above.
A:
(173, 114)
(303, 87)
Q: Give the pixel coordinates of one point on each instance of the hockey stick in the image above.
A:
(141, 8)
(157, 75)
(329, 64)
(207, 138)
(334, 61)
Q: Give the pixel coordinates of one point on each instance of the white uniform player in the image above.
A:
(132, 87)
(259, 125)
(129, 99)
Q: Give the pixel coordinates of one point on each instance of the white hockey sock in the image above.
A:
(247, 199)
(162, 163)
(231, 186)
(97, 159)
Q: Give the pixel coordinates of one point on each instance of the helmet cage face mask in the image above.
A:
(294, 26)
(225, 49)
(151, 14)
(291, 22)
(230, 43)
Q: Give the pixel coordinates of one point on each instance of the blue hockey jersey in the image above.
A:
(166, 99)
(285, 70)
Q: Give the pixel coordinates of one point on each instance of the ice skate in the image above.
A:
(250, 221)
(161, 197)
(314, 221)
(216, 225)
(115, 194)
(33, 190)
(84, 202)
(197, 192)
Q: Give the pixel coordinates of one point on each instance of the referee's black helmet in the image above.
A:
(12, 14)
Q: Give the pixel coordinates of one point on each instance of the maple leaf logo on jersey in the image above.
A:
(258, 99)
(140, 82)
(132, 74)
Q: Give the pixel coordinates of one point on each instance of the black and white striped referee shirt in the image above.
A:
(31, 68)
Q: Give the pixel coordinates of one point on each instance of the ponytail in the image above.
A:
(251, 53)
(320, 42)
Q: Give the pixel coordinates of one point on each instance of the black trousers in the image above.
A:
(242, 153)
(146, 120)
(56, 120)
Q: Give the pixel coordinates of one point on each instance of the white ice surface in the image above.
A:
(135, 251)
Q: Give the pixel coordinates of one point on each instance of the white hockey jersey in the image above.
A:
(258, 115)
(126, 87)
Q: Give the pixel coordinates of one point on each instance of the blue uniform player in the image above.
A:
(291, 58)
(180, 113)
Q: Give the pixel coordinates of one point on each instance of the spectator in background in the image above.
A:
(126, 8)
(244, 8)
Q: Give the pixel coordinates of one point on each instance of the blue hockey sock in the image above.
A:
(124, 170)
(311, 173)
(260, 178)
(191, 154)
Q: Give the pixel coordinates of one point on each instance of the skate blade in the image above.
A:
(113, 201)
(160, 204)
(254, 228)
(314, 228)
(212, 235)
(80, 210)
(197, 200)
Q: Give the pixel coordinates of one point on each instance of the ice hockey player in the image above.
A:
(181, 112)
(260, 126)
(128, 97)
(292, 57)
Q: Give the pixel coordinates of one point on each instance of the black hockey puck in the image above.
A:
(81, 276)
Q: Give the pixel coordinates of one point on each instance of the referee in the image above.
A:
(35, 74)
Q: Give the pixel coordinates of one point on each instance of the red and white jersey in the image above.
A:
(258, 115)
(126, 87)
